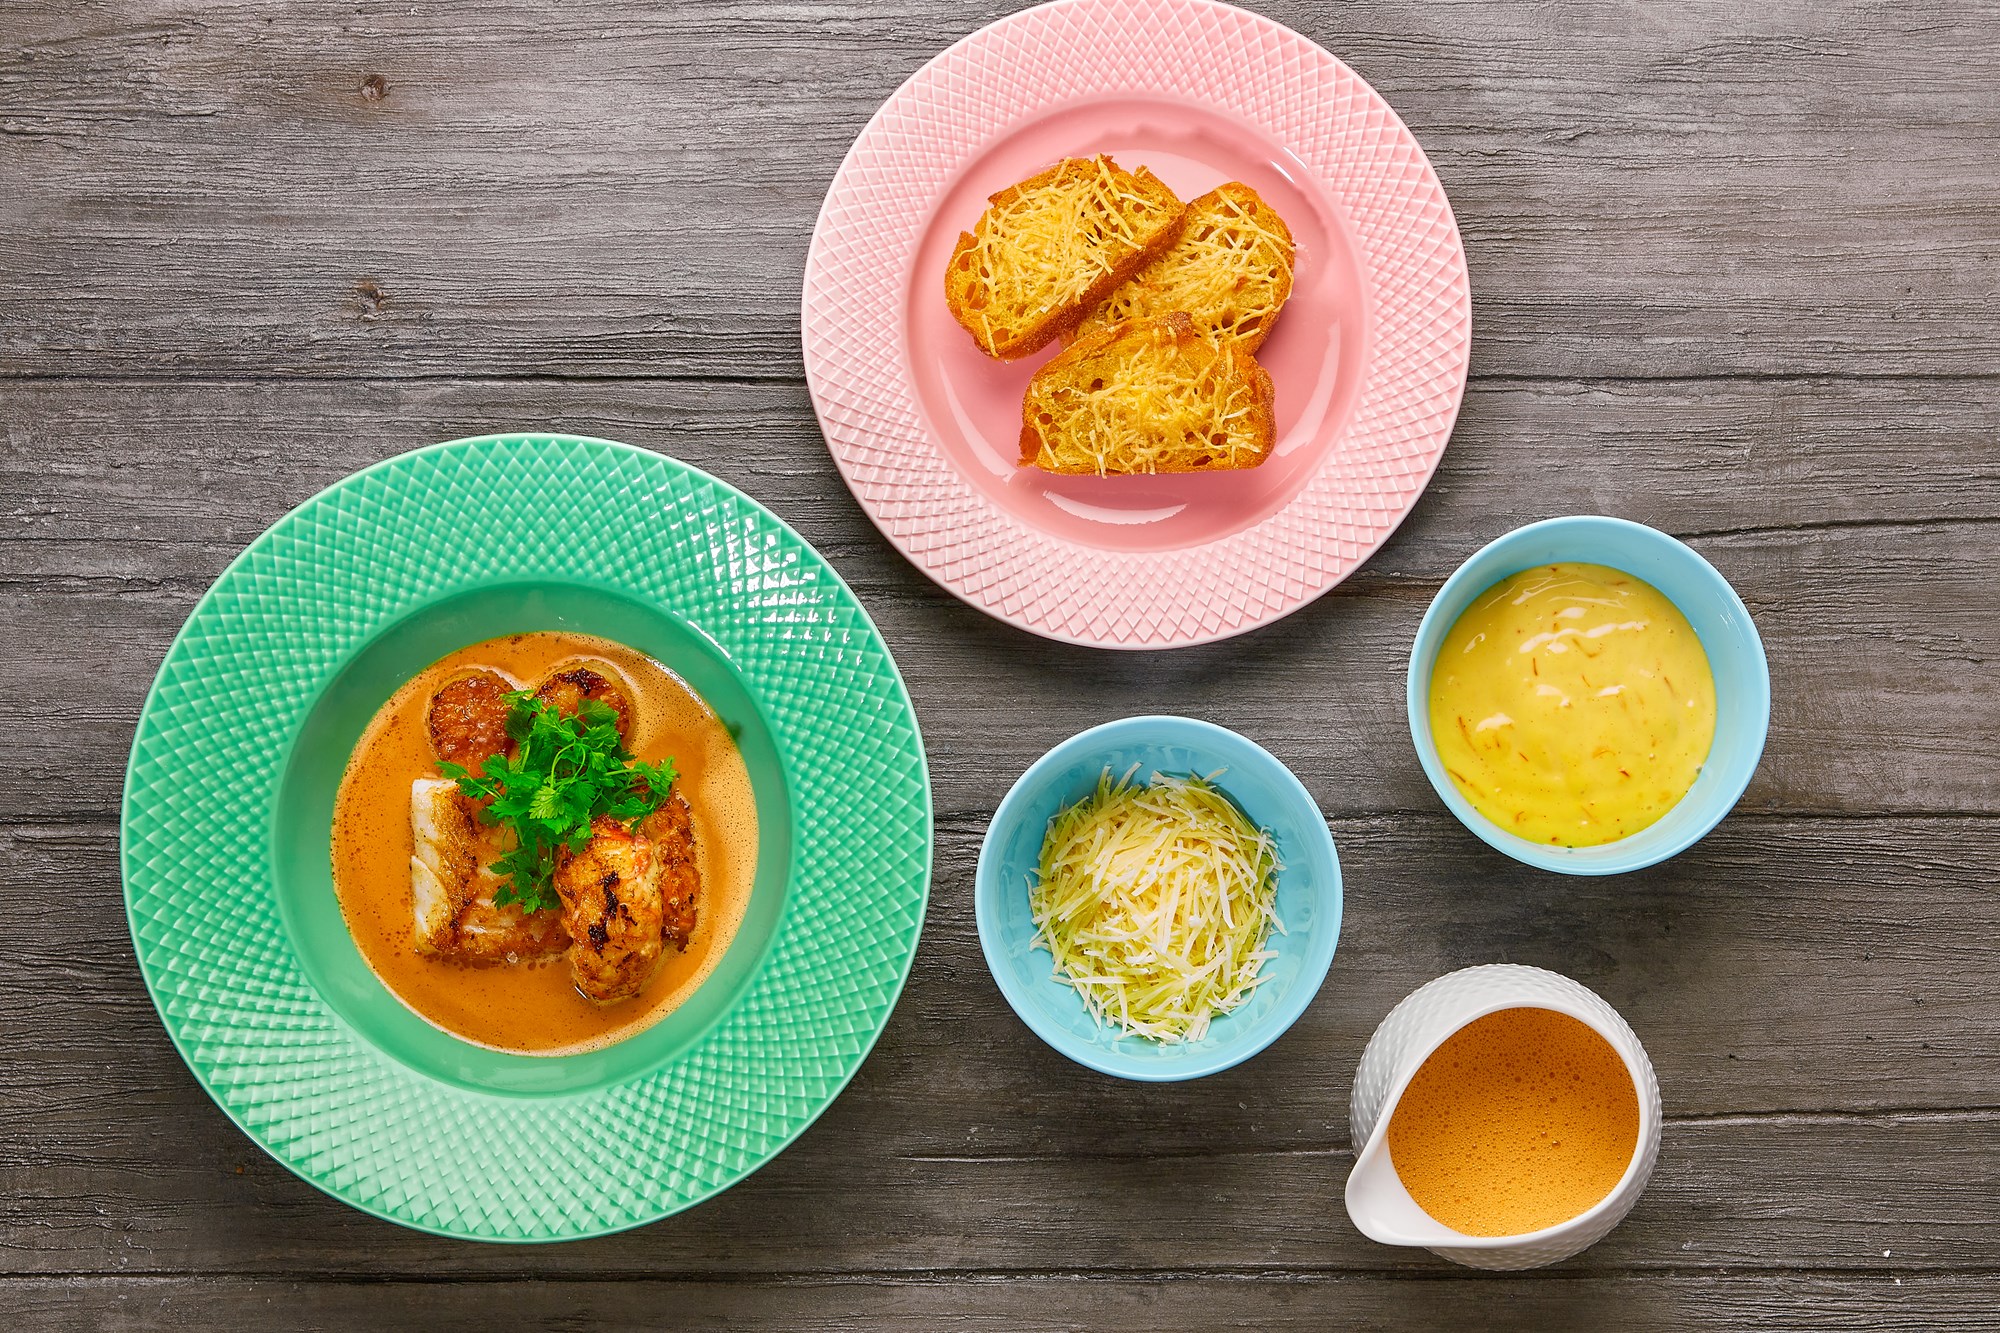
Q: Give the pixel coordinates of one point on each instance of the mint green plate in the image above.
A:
(229, 802)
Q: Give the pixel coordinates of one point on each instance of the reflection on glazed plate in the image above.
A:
(1368, 358)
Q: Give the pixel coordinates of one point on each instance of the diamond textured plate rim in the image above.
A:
(1196, 51)
(241, 677)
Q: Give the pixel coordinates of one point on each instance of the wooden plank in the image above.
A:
(1029, 1304)
(167, 481)
(1839, 965)
(1758, 1194)
(1829, 1011)
(1841, 540)
(266, 188)
(1876, 638)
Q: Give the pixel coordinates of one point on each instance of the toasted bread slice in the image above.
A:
(1231, 271)
(1150, 395)
(1049, 249)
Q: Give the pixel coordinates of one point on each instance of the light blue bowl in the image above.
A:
(1266, 791)
(1735, 654)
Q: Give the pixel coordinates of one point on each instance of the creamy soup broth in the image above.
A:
(535, 1008)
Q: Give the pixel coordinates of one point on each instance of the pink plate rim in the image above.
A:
(1239, 64)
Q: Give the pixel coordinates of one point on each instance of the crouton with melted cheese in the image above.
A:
(1149, 395)
(1230, 272)
(1048, 250)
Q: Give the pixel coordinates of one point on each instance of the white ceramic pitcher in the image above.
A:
(1376, 1199)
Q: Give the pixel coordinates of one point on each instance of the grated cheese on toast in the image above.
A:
(1150, 395)
(1053, 246)
(1230, 270)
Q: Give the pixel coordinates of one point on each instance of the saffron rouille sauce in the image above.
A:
(1572, 705)
(1520, 1120)
(534, 1008)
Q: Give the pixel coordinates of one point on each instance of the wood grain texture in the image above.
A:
(1867, 567)
(1885, 624)
(590, 189)
(1813, 1040)
(1754, 1195)
(1734, 269)
(1011, 1303)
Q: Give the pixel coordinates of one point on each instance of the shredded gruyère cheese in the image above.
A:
(1231, 271)
(1046, 247)
(1156, 902)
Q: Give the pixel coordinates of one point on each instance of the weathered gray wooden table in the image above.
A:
(1735, 270)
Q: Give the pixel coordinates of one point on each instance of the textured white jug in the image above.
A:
(1376, 1199)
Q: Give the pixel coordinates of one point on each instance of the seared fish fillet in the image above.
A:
(611, 906)
(451, 887)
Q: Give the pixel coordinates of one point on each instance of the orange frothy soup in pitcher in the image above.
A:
(1520, 1120)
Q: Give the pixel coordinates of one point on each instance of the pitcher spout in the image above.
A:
(1380, 1205)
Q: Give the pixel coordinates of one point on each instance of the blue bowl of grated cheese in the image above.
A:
(1144, 932)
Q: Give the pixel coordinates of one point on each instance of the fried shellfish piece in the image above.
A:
(671, 829)
(628, 897)
(572, 682)
(611, 907)
(452, 887)
(468, 718)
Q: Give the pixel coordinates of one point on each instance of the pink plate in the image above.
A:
(1368, 359)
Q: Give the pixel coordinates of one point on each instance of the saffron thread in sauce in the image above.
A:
(1572, 705)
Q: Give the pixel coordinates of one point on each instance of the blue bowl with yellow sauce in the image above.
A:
(1716, 614)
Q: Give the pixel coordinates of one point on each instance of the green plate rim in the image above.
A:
(926, 866)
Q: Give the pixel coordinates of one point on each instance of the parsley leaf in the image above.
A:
(566, 773)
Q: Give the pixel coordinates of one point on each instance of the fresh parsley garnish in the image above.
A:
(566, 773)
